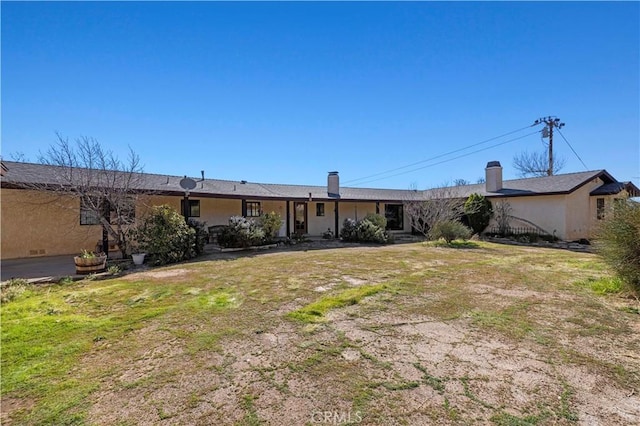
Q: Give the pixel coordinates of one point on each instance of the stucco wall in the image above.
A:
(40, 224)
(581, 215)
(546, 211)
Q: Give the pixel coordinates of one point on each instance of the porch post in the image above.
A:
(288, 219)
(106, 212)
(337, 219)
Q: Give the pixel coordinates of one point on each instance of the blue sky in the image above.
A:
(285, 92)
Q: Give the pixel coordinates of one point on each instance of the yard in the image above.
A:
(409, 334)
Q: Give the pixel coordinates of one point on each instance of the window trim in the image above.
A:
(254, 209)
(193, 205)
(320, 210)
(399, 209)
(600, 208)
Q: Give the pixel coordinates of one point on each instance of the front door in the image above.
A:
(300, 217)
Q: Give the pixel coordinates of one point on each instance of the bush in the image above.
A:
(450, 230)
(478, 210)
(200, 233)
(364, 231)
(241, 232)
(618, 242)
(377, 219)
(348, 231)
(270, 224)
(165, 236)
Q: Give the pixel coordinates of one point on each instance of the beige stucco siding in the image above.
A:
(320, 224)
(580, 214)
(41, 224)
(546, 211)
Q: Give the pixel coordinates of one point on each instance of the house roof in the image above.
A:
(546, 185)
(615, 188)
(19, 174)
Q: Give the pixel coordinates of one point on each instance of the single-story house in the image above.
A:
(38, 222)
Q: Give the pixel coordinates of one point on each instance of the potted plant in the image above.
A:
(89, 262)
(136, 255)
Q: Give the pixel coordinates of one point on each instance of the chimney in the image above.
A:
(333, 184)
(493, 176)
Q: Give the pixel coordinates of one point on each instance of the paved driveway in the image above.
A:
(38, 267)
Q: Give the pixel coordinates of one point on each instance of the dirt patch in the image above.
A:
(157, 274)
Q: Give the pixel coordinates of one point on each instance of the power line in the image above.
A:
(574, 151)
(447, 160)
(434, 158)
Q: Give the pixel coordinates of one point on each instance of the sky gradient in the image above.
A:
(285, 92)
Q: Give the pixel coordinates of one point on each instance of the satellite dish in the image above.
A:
(187, 183)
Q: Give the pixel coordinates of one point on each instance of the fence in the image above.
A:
(521, 231)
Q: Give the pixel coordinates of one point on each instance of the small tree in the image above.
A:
(106, 187)
(618, 242)
(441, 204)
(502, 213)
(478, 210)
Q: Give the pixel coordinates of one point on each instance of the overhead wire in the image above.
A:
(434, 158)
(447, 160)
(574, 151)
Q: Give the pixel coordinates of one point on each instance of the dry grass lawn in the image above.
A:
(406, 334)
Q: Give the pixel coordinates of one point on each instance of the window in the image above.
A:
(253, 208)
(600, 208)
(320, 209)
(394, 215)
(90, 211)
(194, 208)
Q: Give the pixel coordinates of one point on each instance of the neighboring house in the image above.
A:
(39, 223)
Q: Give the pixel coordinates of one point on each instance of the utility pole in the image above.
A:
(547, 132)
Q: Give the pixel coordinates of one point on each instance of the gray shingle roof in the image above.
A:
(19, 174)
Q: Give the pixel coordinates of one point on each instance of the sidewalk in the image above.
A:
(45, 268)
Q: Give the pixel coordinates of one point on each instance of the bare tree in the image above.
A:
(424, 209)
(502, 214)
(536, 164)
(106, 187)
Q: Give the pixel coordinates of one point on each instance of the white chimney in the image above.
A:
(493, 178)
(333, 184)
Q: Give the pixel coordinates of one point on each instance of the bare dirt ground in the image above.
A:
(463, 345)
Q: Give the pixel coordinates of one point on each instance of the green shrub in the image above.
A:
(165, 236)
(478, 210)
(200, 233)
(364, 231)
(450, 230)
(348, 231)
(241, 232)
(377, 219)
(369, 232)
(618, 242)
(270, 224)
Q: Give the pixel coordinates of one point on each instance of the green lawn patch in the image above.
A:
(316, 311)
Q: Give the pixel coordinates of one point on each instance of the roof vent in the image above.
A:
(243, 182)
